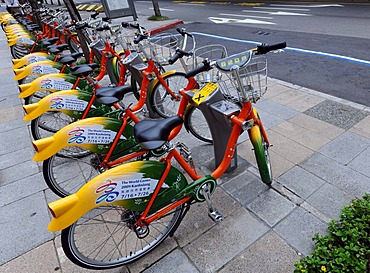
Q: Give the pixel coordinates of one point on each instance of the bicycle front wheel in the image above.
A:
(118, 242)
(196, 124)
(65, 174)
(48, 124)
(262, 154)
(162, 102)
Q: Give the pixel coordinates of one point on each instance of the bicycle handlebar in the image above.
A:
(205, 66)
(265, 48)
(178, 54)
(183, 32)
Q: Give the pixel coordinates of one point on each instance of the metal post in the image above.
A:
(75, 16)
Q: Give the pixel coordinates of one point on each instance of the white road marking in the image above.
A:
(299, 50)
(164, 9)
(219, 20)
(241, 15)
(188, 4)
(281, 8)
(278, 13)
(308, 6)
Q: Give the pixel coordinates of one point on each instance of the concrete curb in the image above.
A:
(165, 27)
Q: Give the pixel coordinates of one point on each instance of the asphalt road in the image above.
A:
(328, 46)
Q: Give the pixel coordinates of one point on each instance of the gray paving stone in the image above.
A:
(298, 230)
(32, 261)
(271, 207)
(245, 188)
(338, 175)
(14, 124)
(277, 109)
(335, 113)
(345, 147)
(10, 100)
(300, 181)
(361, 163)
(14, 140)
(24, 226)
(329, 200)
(17, 157)
(175, 262)
(269, 254)
(24, 187)
(18, 172)
(269, 120)
(220, 244)
(196, 222)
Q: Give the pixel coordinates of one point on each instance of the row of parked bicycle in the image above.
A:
(122, 195)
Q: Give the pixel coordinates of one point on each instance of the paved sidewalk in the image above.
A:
(320, 159)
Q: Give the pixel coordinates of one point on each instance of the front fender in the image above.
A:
(129, 185)
(71, 102)
(156, 80)
(94, 134)
(50, 82)
(30, 58)
(39, 68)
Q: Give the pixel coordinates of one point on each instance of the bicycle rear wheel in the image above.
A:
(163, 103)
(262, 154)
(117, 242)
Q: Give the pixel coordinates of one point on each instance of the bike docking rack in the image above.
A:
(217, 111)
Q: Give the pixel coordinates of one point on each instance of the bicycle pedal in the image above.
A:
(216, 216)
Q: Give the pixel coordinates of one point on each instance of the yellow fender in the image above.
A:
(25, 60)
(23, 40)
(50, 103)
(47, 82)
(68, 210)
(153, 83)
(75, 134)
(40, 68)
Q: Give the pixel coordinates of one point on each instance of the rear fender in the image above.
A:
(24, 40)
(129, 185)
(94, 134)
(71, 102)
(39, 68)
(51, 82)
(30, 58)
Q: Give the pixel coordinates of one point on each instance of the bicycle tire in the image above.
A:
(65, 174)
(35, 97)
(121, 240)
(196, 124)
(19, 51)
(160, 101)
(73, 47)
(48, 124)
(262, 155)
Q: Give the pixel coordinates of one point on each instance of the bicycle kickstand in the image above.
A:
(213, 213)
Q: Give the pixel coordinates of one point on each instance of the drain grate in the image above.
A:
(337, 114)
(262, 33)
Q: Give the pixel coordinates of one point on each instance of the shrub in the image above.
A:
(347, 246)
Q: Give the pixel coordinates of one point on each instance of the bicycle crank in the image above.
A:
(213, 213)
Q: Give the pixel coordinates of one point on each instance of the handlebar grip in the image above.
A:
(138, 38)
(265, 48)
(205, 66)
(178, 54)
(175, 57)
(133, 25)
(81, 26)
(102, 28)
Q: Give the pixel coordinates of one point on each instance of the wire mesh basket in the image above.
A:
(252, 85)
(210, 52)
(161, 47)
